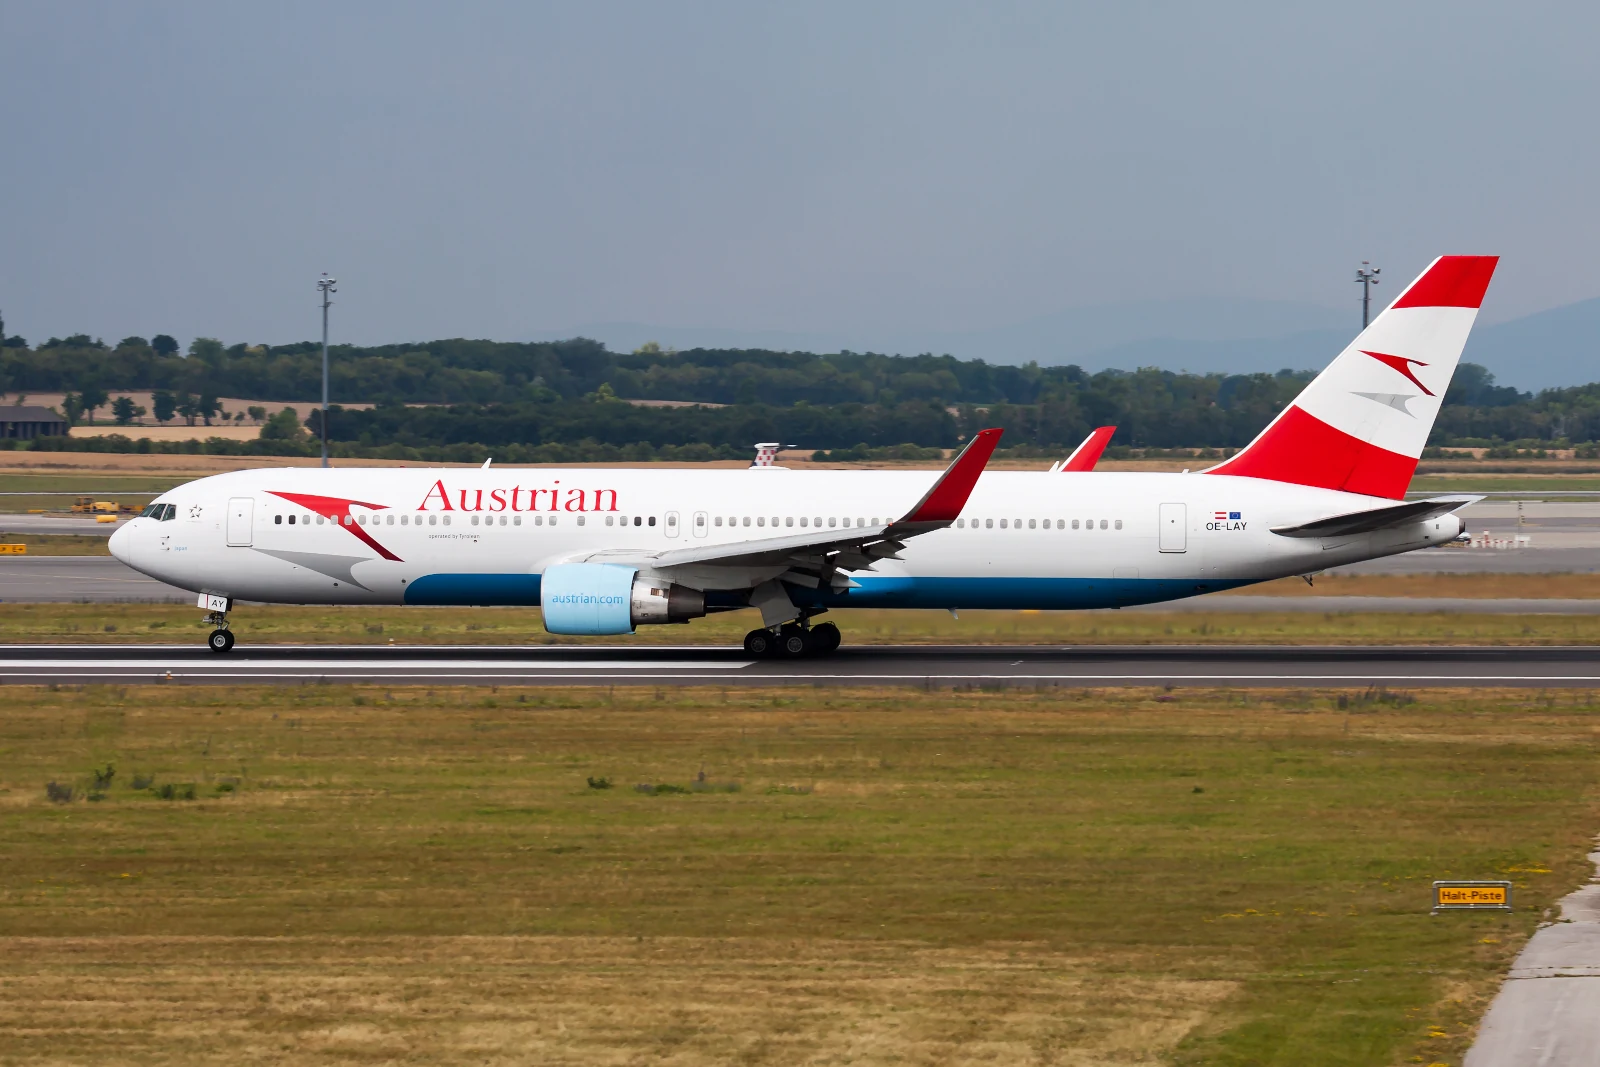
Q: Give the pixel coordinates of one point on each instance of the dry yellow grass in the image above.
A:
(424, 876)
(583, 1000)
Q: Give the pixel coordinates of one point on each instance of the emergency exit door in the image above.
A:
(1174, 527)
(241, 517)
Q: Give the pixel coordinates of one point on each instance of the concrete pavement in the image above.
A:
(1548, 1012)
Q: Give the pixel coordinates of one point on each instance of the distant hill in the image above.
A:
(1550, 349)
(1076, 335)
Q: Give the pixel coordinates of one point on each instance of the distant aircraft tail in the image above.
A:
(1086, 455)
(1361, 424)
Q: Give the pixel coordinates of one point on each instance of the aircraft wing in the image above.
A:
(1359, 522)
(815, 558)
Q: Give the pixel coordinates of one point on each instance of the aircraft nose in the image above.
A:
(122, 544)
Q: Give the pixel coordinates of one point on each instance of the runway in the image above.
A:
(899, 665)
(101, 579)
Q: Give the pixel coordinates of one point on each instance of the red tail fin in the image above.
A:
(1360, 426)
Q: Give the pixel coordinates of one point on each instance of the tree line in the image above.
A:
(564, 392)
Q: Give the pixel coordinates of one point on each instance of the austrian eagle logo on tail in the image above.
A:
(1402, 365)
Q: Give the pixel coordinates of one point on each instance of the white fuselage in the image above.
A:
(470, 536)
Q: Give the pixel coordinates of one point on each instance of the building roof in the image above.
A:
(29, 414)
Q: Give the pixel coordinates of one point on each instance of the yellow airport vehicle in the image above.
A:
(13, 550)
(105, 518)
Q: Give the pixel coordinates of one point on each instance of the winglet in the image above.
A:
(1086, 455)
(942, 503)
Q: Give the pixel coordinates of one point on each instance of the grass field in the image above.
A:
(21, 623)
(810, 877)
(56, 544)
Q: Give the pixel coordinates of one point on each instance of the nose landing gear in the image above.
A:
(220, 639)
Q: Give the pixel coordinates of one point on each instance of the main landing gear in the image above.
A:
(793, 640)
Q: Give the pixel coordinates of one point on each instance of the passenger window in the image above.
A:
(638, 520)
(363, 520)
(1119, 524)
(816, 521)
(832, 521)
(715, 522)
(538, 520)
(581, 520)
(305, 520)
(961, 523)
(761, 520)
(447, 520)
(747, 520)
(1074, 524)
(1002, 524)
(988, 524)
(1102, 524)
(277, 520)
(789, 521)
(516, 520)
(652, 520)
(804, 521)
(1033, 524)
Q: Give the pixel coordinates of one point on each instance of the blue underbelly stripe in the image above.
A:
(1010, 593)
(875, 592)
(475, 589)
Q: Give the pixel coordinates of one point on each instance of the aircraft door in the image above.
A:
(672, 524)
(702, 525)
(241, 518)
(1174, 527)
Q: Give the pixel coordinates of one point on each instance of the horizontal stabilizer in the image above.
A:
(1360, 522)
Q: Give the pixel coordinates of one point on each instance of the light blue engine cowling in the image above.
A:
(609, 598)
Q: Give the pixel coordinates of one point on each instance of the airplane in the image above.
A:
(606, 551)
(1086, 455)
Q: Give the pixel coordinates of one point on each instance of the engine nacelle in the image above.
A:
(609, 598)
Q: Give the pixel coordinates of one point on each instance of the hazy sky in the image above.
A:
(493, 170)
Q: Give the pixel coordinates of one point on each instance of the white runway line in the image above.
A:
(367, 666)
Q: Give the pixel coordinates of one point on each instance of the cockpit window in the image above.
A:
(160, 512)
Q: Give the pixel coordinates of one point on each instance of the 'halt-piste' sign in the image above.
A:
(1471, 896)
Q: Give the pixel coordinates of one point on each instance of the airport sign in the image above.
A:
(1471, 896)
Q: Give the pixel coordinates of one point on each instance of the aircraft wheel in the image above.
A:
(825, 638)
(793, 642)
(220, 641)
(760, 643)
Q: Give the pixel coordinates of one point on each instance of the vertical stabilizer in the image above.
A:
(1360, 426)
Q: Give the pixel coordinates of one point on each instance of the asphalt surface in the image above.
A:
(101, 579)
(914, 665)
(76, 579)
(1547, 1014)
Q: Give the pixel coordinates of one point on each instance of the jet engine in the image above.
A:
(609, 598)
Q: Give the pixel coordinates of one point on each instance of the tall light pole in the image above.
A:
(1367, 277)
(325, 286)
